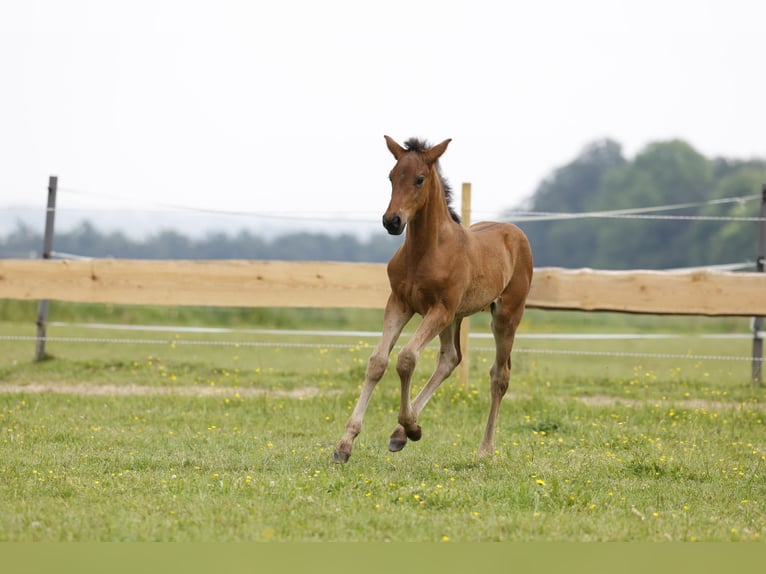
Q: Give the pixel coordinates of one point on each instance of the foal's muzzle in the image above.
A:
(393, 224)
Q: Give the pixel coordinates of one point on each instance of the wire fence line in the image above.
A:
(534, 216)
(644, 212)
(163, 207)
(638, 213)
(292, 345)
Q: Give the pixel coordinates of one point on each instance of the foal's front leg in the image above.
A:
(395, 318)
(449, 358)
(434, 322)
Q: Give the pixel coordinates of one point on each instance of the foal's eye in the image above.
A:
(419, 180)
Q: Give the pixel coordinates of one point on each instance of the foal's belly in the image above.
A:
(478, 296)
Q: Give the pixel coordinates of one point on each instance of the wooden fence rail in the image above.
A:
(235, 283)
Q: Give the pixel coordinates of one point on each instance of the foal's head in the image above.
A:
(414, 177)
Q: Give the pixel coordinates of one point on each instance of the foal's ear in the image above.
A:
(397, 150)
(435, 152)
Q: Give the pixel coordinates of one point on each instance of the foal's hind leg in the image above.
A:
(449, 358)
(506, 316)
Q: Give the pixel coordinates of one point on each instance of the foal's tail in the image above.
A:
(456, 340)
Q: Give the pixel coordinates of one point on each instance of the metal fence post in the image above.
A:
(42, 310)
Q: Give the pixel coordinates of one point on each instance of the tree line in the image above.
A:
(87, 241)
(599, 178)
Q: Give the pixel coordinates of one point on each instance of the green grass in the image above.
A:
(589, 447)
(163, 468)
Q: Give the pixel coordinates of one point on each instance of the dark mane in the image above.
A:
(420, 146)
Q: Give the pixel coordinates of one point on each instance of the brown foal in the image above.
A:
(444, 273)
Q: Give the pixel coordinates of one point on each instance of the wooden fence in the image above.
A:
(235, 283)
(320, 284)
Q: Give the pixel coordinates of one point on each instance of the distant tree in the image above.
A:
(573, 188)
(729, 241)
(87, 241)
(663, 173)
(21, 243)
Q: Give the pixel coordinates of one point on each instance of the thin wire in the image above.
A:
(548, 216)
(272, 344)
(62, 255)
(639, 213)
(516, 216)
(620, 354)
(174, 342)
(312, 215)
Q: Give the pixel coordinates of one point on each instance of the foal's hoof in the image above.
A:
(414, 433)
(396, 444)
(340, 457)
(398, 440)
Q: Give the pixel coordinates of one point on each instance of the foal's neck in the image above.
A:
(432, 221)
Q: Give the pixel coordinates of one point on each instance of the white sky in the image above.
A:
(281, 106)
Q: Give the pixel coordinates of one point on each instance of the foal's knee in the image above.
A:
(376, 367)
(405, 364)
(452, 358)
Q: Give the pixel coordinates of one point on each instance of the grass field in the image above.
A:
(229, 437)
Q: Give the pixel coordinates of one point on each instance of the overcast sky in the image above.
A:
(281, 106)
